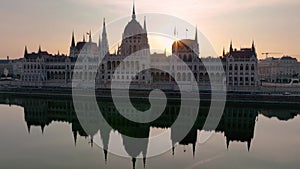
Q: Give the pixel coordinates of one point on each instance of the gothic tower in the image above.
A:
(73, 46)
(25, 52)
(104, 43)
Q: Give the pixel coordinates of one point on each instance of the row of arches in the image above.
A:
(33, 66)
(59, 75)
(186, 58)
(42, 66)
(241, 67)
(32, 78)
(128, 65)
(199, 77)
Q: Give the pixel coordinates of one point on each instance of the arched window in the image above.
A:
(178, 77)
(109, 65)
(189, 77)
(196, 76)
(201, 76)
(247, 67)
(167, 77)
(113, 64)
(184, 58)
(183, 77)
(206, 77)
(130, 49)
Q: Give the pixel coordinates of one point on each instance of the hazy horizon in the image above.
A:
(273, 24)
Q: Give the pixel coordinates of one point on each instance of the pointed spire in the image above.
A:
(92, 141)
(144, 161)
(196, 34)
(26, 51)
(90, 36)
(253, 46)
(73, 40)
(231, 48)
(28, 127)
(105, 156)
(144, 152)
(118, 50)
(248, 145)
(173, 150)
(104, 24)
(227, 143)
(42, 128)
(133, 162)
(133, 11)
(75, 137)
(194, 149)
(104, 47)
(40, 49)
(105, 135)
(145, 24)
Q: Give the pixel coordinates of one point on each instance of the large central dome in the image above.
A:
(133, 27)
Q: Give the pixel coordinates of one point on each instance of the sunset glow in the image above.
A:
(273, 24)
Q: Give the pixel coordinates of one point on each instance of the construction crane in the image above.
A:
(270, 53)
(295, 55)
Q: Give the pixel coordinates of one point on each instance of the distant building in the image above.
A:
(278, 70)
(6, 68)
(241, 66)
(17, 68)
(41, 66)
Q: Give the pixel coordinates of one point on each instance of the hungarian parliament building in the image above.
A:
(88, 60)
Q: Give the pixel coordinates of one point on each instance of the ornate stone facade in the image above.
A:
(241, 66)
(44, 69)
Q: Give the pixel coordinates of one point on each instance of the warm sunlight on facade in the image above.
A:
(160, 43)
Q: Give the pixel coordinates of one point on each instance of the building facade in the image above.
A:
(241, 66)
(278, 70)
(132, 62)
(6, 68)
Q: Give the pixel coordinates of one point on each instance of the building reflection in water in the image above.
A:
(237, 122)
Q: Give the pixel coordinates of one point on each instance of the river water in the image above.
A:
(46, 133)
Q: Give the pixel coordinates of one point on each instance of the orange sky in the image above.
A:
(273, 24)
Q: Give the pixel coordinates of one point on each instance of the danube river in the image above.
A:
(46, 133)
